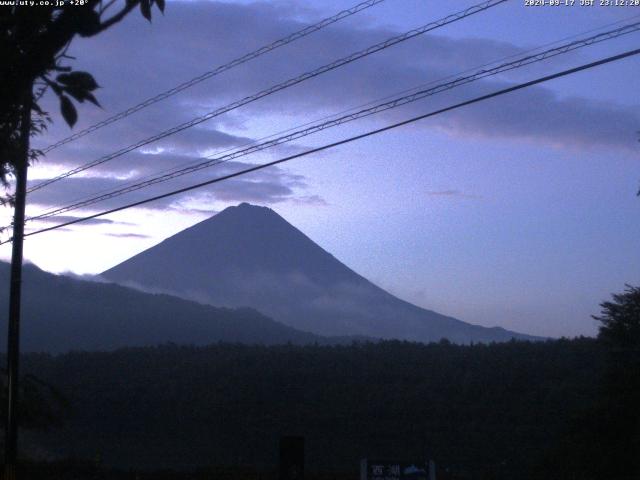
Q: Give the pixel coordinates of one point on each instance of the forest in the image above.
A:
(504, 410)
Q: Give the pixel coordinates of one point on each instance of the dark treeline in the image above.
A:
(510, 410)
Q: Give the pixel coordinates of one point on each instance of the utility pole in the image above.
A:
(13, 337)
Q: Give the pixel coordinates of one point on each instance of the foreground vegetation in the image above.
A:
(491, 411)
(555, 409)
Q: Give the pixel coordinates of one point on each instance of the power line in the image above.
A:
(347, 140)
(355, 108)
(397, 102)
(217, 71)
(352, 109)
(280, 86)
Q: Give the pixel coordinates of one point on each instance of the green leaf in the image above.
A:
(69, 112)
(81, 80)
(160, 4)
(145, 8)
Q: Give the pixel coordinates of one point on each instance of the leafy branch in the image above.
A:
(33, 46)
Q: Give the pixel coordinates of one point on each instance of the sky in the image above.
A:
(520, 211)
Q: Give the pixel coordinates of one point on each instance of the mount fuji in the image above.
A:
(249, 256)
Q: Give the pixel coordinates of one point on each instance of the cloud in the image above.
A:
(450, 193)
(167, 54)
(268, 186)
(314, 200)
(173, 151)
(128, 235)
(69, 218)
(538, 115)
(85, 277)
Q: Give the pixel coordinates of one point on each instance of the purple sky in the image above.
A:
(519, 211)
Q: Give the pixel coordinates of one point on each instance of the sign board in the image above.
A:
(371, 469)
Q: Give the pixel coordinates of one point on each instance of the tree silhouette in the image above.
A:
(619, 429)
(33, 45)
(620, 320)
(43, 406)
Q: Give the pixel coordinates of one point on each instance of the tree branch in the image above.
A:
(104, 8)
(118, 16)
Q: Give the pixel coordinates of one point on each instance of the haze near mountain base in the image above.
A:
(62, 313)
(250, 256)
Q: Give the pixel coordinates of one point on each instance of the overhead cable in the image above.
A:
(216, 71)
(394, 103)
(278, 87)
(481, 98)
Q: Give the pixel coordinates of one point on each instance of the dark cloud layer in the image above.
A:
(136, 60)
(128, 235)
(70, 218)
(271, 185)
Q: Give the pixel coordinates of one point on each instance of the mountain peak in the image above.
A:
(244, 206)
(246, 210)
(240, 239)
(247, 205)
(248, 255)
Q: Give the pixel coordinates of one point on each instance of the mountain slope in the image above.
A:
(61, 313)
(250, 256)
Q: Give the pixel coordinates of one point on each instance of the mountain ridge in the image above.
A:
(249, 255)
(61, 313)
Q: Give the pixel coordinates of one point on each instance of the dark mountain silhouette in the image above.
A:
(251, 256)
(62, 313)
